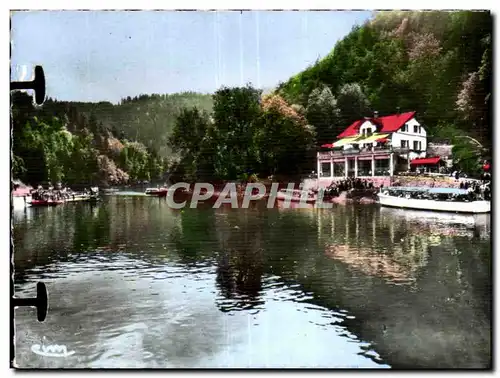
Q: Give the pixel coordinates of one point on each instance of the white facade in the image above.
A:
(412, 136)
(367, 128)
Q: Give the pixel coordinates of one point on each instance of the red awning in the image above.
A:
(327, 145)
(425, 161)
(382, 140)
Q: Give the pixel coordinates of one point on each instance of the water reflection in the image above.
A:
(350, 286)
(445, 285)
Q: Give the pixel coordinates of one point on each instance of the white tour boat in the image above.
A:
(434, 199)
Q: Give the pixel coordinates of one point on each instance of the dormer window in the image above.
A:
(416, 129)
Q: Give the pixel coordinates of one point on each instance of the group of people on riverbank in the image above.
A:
(51, 194)
(58, 194)
(348, 184)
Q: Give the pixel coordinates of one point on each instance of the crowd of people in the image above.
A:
(349, 183)
(58, 194)
(482, 190)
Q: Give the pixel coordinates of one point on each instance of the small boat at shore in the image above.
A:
(296, 195)
(49, 202)
(40, 198)
(158, 192)
(434, 199)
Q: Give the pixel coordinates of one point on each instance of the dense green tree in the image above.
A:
(353, 103)
(246, 135)
(323, 112)
(235, 112)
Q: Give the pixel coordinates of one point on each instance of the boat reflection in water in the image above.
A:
(443, 224)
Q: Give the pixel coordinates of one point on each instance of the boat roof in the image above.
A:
(429, 190)
(448, 191)
(409, 188)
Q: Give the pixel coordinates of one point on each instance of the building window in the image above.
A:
(416, 145)
(326, 170)
(416, 129)
(338, 169)
(403, 144)
(403, 129)
(382, 167)
(364, 167)
(420, 146)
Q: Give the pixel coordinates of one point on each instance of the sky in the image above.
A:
(106, 56)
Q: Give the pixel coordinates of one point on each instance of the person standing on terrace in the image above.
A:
(486, 171)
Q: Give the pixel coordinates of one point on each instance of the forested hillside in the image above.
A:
(101, 143)
(148, 119)
(58, 143)
(435, 63)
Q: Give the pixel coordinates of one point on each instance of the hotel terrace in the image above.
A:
(376, 147)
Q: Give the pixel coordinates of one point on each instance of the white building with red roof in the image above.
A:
(375, 146)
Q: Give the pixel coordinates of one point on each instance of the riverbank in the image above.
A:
(268, 189)
(345, 191)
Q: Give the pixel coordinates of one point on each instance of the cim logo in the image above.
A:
(51, 350)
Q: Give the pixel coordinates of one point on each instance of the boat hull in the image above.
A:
(157, 192)
(46, 203)
(475, 207)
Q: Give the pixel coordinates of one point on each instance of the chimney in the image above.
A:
(375, 114)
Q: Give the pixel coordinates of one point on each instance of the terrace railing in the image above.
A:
(326, 155)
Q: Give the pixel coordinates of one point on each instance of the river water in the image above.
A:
(134, 284)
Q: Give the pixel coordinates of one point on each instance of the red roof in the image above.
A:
(423, 161)
(390, 123)
(328, 145)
